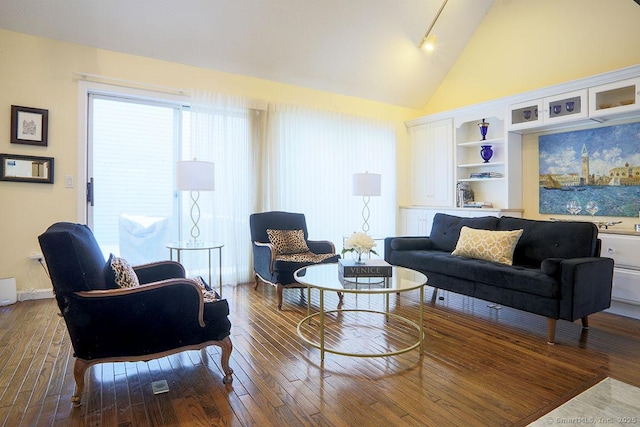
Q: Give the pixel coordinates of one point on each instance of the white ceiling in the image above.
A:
(362, 48)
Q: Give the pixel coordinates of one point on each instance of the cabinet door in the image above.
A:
(442, 165)
(526, 115)
(412, 222)
(566, 107)
(420, 155)
(416, 222)
(615, 100)
(626, 286)
(432, 163)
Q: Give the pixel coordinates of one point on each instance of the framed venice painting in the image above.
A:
(592, 172)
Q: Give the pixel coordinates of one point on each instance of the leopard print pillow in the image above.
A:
(123, 274)
(209, 294)
(286, 242)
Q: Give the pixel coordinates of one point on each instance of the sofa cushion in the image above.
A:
(286, 242)
(502, 276)
(446, 229)
(551, 239)
(496, 246)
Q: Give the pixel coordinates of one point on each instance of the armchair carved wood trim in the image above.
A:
(166, 314)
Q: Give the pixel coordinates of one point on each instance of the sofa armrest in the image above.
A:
(157, 271)
(411, 244)
(552, 266)
(404, 244)
(321, 246)
(585, 286)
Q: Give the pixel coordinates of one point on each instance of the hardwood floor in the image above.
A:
(480, 366)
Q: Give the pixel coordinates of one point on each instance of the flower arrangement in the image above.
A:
(359, 243)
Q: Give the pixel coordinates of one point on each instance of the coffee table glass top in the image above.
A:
(325, 276)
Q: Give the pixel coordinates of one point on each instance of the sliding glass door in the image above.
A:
(133, 147)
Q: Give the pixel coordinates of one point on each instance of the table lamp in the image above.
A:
(194, 176)
(366, 185)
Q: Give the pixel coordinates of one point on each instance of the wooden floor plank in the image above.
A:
(480, 366)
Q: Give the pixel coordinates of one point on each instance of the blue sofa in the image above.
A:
(557, 270)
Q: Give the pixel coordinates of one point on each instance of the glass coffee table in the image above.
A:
(325, 277)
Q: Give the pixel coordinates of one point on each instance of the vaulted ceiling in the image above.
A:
(361, 48)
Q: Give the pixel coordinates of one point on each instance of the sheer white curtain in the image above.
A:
(311, 157)
(223, 130)
(286, 158)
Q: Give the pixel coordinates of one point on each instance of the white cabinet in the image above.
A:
(496, 180)
(432, 163)
(550, 111)
(525, 115)
(415, 221)
(615, 100)
(626, 273)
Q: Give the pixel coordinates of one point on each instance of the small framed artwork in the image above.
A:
(29, 125)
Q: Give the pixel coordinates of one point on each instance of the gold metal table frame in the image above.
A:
(324, 277)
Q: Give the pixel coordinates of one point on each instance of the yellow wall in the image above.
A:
(38, 72)
(523, 45)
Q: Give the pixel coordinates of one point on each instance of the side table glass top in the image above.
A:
(326, 277)
(194, 246)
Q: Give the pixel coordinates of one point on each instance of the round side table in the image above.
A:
(178, 247)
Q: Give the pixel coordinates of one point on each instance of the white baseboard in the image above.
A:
(35, 294)
(628, 310)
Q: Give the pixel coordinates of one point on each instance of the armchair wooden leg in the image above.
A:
(227, 348)
(585, 322)
(279, 287)
(257, 282)
(79, 368)
(551, 331)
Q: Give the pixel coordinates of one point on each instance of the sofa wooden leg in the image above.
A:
(585, 322)
(279, 287)
(79, 368)
(434, 295)
(551, 331)
(227, 348)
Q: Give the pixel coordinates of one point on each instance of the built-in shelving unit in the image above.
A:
(470, 165)
(446, 148)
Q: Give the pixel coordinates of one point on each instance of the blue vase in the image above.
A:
(486, 153)
(484, 126)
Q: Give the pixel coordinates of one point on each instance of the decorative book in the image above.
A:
(371, 268)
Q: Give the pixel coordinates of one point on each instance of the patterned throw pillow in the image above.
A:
(496, 246)
(286, 242)
(122, 273)
(209, 294)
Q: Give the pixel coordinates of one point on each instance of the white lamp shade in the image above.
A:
(195, 175)
(366, 184)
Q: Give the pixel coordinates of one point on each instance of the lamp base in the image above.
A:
(195, 216)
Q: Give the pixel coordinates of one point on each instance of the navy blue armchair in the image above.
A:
(163, 315)
(274, 262)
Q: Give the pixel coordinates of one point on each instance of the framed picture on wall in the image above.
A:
(29, 125)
